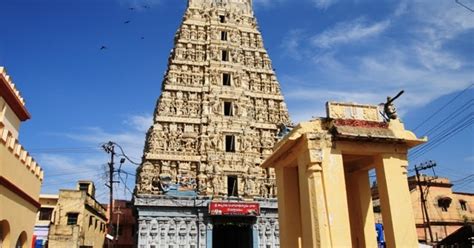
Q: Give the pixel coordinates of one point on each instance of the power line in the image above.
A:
(67, 181)
(70, 174)
(125, 155)
(443, 137)
(456, 113)
(462, 179)
(443, 107)
(125, 185)
(62, 149)
(463, 5)
(436, 139)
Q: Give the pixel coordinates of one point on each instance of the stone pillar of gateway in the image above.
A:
(322, 170)
(218, 117)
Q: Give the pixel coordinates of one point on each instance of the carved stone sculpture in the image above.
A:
(214, 119)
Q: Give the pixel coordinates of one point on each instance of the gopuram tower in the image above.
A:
(219, 114)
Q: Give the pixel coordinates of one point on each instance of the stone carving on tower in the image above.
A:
(220, 108)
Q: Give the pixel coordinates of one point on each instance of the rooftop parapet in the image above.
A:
(12, 95)
(13, 145)
(3, 73)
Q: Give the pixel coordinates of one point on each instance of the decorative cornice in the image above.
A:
(13, 145)
(12, 96)
(360, 123)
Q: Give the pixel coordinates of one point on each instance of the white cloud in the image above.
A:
(413, 56)
(324, 4)
(89, 162)
(347, 32)
(469, 159)
(140, 123)
(291, 44)
(63, 171)
(369, 79)
(434, 58)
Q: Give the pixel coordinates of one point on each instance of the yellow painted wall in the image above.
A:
(444, 223)
(84, 232)
(326, 174)
(25, 175)
(9, 118)
(20, 170)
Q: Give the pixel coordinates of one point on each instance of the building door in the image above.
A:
(230, 235)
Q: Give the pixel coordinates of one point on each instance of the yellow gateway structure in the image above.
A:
(322, 170)
(20, 176)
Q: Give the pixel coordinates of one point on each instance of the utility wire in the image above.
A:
(71, 173)
(443, 137)
(125, 185)
(462, 179)
(443, 107)
(463, 5)
(437, 137)
(125, 155)
(456, 113)
(65, 150)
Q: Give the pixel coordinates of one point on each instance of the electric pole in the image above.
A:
(110, 149)
(424, 210)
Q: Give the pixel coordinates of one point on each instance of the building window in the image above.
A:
(72, 218)
(224, 35)
(84, 187)
(46, 213)
(225, 55)
(222, 18)
(230, 143)
(226, 79)
(91, 220)
(463, 205)
(228, 110)
(444, 203)
(232, 186)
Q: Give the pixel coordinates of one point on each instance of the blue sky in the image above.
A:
(344, 50)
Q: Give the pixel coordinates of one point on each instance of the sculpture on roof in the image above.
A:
(389, 109)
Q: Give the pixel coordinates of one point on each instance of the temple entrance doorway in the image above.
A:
(232, 233)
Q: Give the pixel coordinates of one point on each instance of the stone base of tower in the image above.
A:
(188, 223)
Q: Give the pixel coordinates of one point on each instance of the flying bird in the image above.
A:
(126, 22)
(146, 6)
(142, 38)
(131, 8)
(103, 47)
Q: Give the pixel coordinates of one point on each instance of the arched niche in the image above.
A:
(4, 233)
(21, 241)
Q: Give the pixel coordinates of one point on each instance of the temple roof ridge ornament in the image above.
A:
(245, 5)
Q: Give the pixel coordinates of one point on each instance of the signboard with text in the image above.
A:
(234, 209)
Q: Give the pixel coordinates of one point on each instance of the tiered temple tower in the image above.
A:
(218, 117)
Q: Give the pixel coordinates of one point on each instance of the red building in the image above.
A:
(123, 223)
